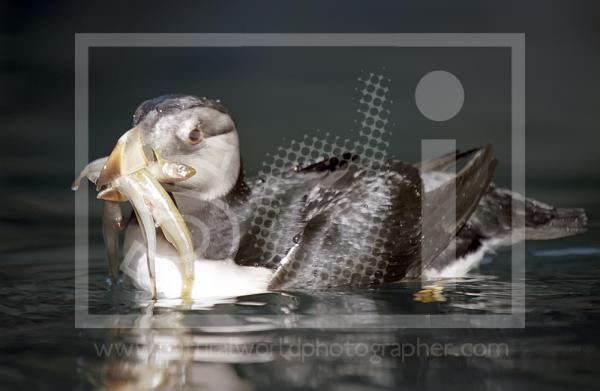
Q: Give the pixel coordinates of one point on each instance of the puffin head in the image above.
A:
(190, 142)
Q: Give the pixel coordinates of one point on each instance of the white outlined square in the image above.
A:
(514, 41)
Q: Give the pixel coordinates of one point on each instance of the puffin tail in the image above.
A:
(489, 227)
(542, 221)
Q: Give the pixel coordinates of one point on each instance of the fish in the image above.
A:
(153, 207)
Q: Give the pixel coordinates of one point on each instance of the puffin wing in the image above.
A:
(359, 225)
(345, 223)
(445, 215)
(490, 225)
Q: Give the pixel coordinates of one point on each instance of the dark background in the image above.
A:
(277, 93)
(281, 93)
(284, 93)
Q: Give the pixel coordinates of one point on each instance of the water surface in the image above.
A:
(294, 340)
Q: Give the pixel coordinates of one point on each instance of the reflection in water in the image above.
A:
(300, 340)
(181, 358)
(258, 342)
(188, 358)
(163, 358)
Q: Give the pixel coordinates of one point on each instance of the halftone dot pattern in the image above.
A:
(368, 143)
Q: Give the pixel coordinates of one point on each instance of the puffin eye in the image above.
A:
(195, 136)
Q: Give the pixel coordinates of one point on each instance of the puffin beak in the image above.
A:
(126, 158)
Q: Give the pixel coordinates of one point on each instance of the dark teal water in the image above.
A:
(297, 340)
